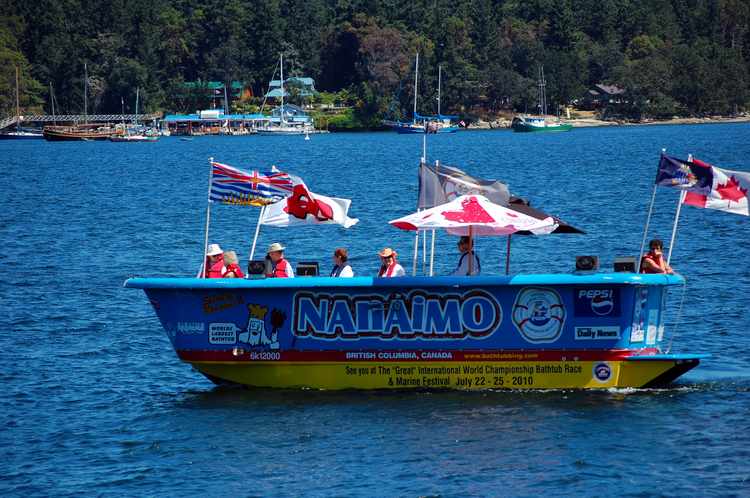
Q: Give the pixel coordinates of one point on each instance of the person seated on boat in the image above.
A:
(280, 267)
(389, 266)
(231, 263)
(340, 266)
(214, 264)
(653, 260)
(466, 246)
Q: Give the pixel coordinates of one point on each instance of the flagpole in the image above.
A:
(674, 228)
(416, 235)
(432, 252)
(208, 216)
(645, 228)
(257, 230)
(648, 221)
(683, 193)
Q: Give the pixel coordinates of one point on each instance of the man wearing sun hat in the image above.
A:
(280, 267)
(389, 267)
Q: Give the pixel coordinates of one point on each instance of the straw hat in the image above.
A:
(387, 251)
(214, 250)
(275, 247)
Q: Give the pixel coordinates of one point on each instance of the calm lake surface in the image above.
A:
(95, 402)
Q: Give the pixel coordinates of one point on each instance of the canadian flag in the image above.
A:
(303, 207)
(729, 191)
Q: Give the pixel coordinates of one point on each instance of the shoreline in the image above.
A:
(596, 123)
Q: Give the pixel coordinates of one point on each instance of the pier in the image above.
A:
(76, 118)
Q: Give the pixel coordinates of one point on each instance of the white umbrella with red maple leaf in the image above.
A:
(474, 215)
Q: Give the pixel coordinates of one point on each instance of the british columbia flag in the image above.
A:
(231, 185)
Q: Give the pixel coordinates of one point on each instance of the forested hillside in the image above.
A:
(672, 56)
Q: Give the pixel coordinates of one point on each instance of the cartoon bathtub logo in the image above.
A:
(255, 334)
(538, 314)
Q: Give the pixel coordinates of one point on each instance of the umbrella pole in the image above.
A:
(416, 250)
(424, 252)
(471, 251)
(507, 257)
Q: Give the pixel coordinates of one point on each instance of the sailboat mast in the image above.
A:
(85, 96)
(136, 104)
(18, 107)
(281, 73)
(52, 102)
(440, 74)
(226, 99)
(416, 81)
(542, 91)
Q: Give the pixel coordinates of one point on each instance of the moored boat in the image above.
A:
(134, 138)
(21, 134)
(588, 331)
(440, 123)
(541, 122)
(525, 123)
(77, 132)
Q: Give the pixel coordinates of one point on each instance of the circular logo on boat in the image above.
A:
(538, 314)
(602, 372)
(602, 305)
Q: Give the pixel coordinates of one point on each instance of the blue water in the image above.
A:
(94, 401)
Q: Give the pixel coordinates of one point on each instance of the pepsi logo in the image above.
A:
(602, 305)
(597, 302)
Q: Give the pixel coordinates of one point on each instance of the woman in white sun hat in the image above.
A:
(280, 267)
(214, 264)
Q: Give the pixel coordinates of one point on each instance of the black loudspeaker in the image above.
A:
(587, 263)
(256, 269)
(625, 264)
(307, 269)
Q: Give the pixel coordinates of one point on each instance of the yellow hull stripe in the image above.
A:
(432, 375)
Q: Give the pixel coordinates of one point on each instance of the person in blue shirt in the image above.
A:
(466, 247)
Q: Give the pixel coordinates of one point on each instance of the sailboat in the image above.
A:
(529, 123)
(284, 126)
(20, 133)
(440, 123)
(78, 132)
(135, 133)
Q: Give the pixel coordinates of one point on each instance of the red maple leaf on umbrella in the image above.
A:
(731, 190)
(472, 212)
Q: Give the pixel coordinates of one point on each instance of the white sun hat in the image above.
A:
(214, 250)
